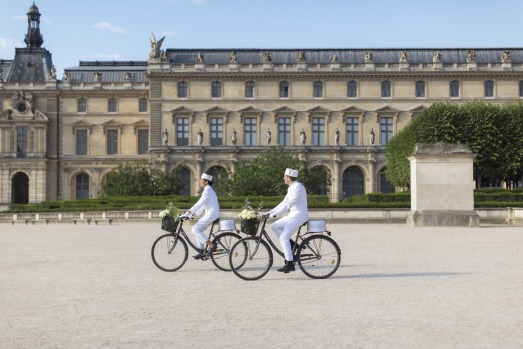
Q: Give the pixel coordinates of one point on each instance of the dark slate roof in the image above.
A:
(31, 65)
(112, 71)
(323, 56)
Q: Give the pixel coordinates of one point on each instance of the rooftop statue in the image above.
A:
(156, 46)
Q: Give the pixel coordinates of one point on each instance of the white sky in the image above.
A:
(120, 29)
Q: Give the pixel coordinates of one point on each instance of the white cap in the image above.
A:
(206, 176)
(291, 173)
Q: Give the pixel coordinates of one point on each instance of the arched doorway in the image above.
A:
(82, 186)
(353, 182)
(185, 177)
(20, 189)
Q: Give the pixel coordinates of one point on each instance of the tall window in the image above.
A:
(489, 88)
(111, 106)
(385, 89)
(82, 105)
(21, 142)
(521, 88)
(420, 88)
(81, 142)
(385, 130)
(82, 186)
(249, 89)
(216, 89)
(142, 105)
(249, 130)
(318, 131)
(454, 88)
(352, 124)
(112, 142)
(182, 131)
(182, 89)
(284, 131)
(143, 141)
(352, 89)
(216, 131)
(284, 89)
(318, 89)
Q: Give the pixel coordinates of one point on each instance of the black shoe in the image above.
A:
(288, 267)
(200, 255)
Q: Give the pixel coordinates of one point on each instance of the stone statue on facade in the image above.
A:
(301, 56)
(337, 137)
(199, 58)
(268, 136)
(200, 137)
(128, 76)
(52, 73)
(155, 47)
(303, 137)
(471, 56)
(165, 137)
(436, 57)
(368, 57)
(403, 56)
(267, 57)
(372, 136)
(65, 77)
(233, 136)
(233, 58)
(505, 57)
(334, 58)
(97, 77)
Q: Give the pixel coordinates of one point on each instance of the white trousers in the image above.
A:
(284, 228)
(198, 229)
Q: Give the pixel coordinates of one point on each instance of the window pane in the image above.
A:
(284, 89)
(182, 89)
(111, 108)
(385, 129)
(81, 142)
(284, 131)
(142, 108)
(489, 88)
(21, 142)
(420, 88)
(318, 89)
(82, 186)
(521, 88)
(143, 141)
(112, 142)
(249, 89)
(385, 89)
(216, 90)
(352, 89)
(82, 105)
(250, 131)
(454, 88)
(216, 131)
(182, 131)
(318, 131)
(352, 130)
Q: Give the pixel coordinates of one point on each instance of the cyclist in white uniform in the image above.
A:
(296, 203)
(208, 202)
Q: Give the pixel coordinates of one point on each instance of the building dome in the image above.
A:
(33, 10)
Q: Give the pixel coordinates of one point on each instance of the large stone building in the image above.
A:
(210, 109)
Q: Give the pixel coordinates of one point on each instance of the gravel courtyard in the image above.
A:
(95, 286)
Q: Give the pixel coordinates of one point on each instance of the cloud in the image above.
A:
(109, 27)
(168, 33)
(7, 44)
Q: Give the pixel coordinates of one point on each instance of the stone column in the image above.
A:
(442, 186)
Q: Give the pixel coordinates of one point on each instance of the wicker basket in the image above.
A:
(250, 226)
(169, 224)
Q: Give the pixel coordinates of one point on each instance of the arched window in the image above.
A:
(142, 105)
(284, 89)
(82, 186)
(352, 182)
(82, 105)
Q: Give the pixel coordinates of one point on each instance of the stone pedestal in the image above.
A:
(442, 186)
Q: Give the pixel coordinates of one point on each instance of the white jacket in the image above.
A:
(295, 201)
(208, 202)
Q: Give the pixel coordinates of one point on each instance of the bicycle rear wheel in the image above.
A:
(250, 260)
(319, 256)
(220, 257)
(168, 253)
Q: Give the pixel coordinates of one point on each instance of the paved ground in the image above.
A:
(66, 286)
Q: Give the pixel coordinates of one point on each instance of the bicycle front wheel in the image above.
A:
(168, 253)
(250, 258)
(319, 256)
(220, 257)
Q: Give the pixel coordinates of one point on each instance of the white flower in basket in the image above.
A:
(250, 217)
(169, 218)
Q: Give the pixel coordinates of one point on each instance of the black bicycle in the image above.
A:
(170, 251)
(316, 253)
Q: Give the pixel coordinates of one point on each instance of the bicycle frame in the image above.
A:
(263, 233)
(184, 234)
